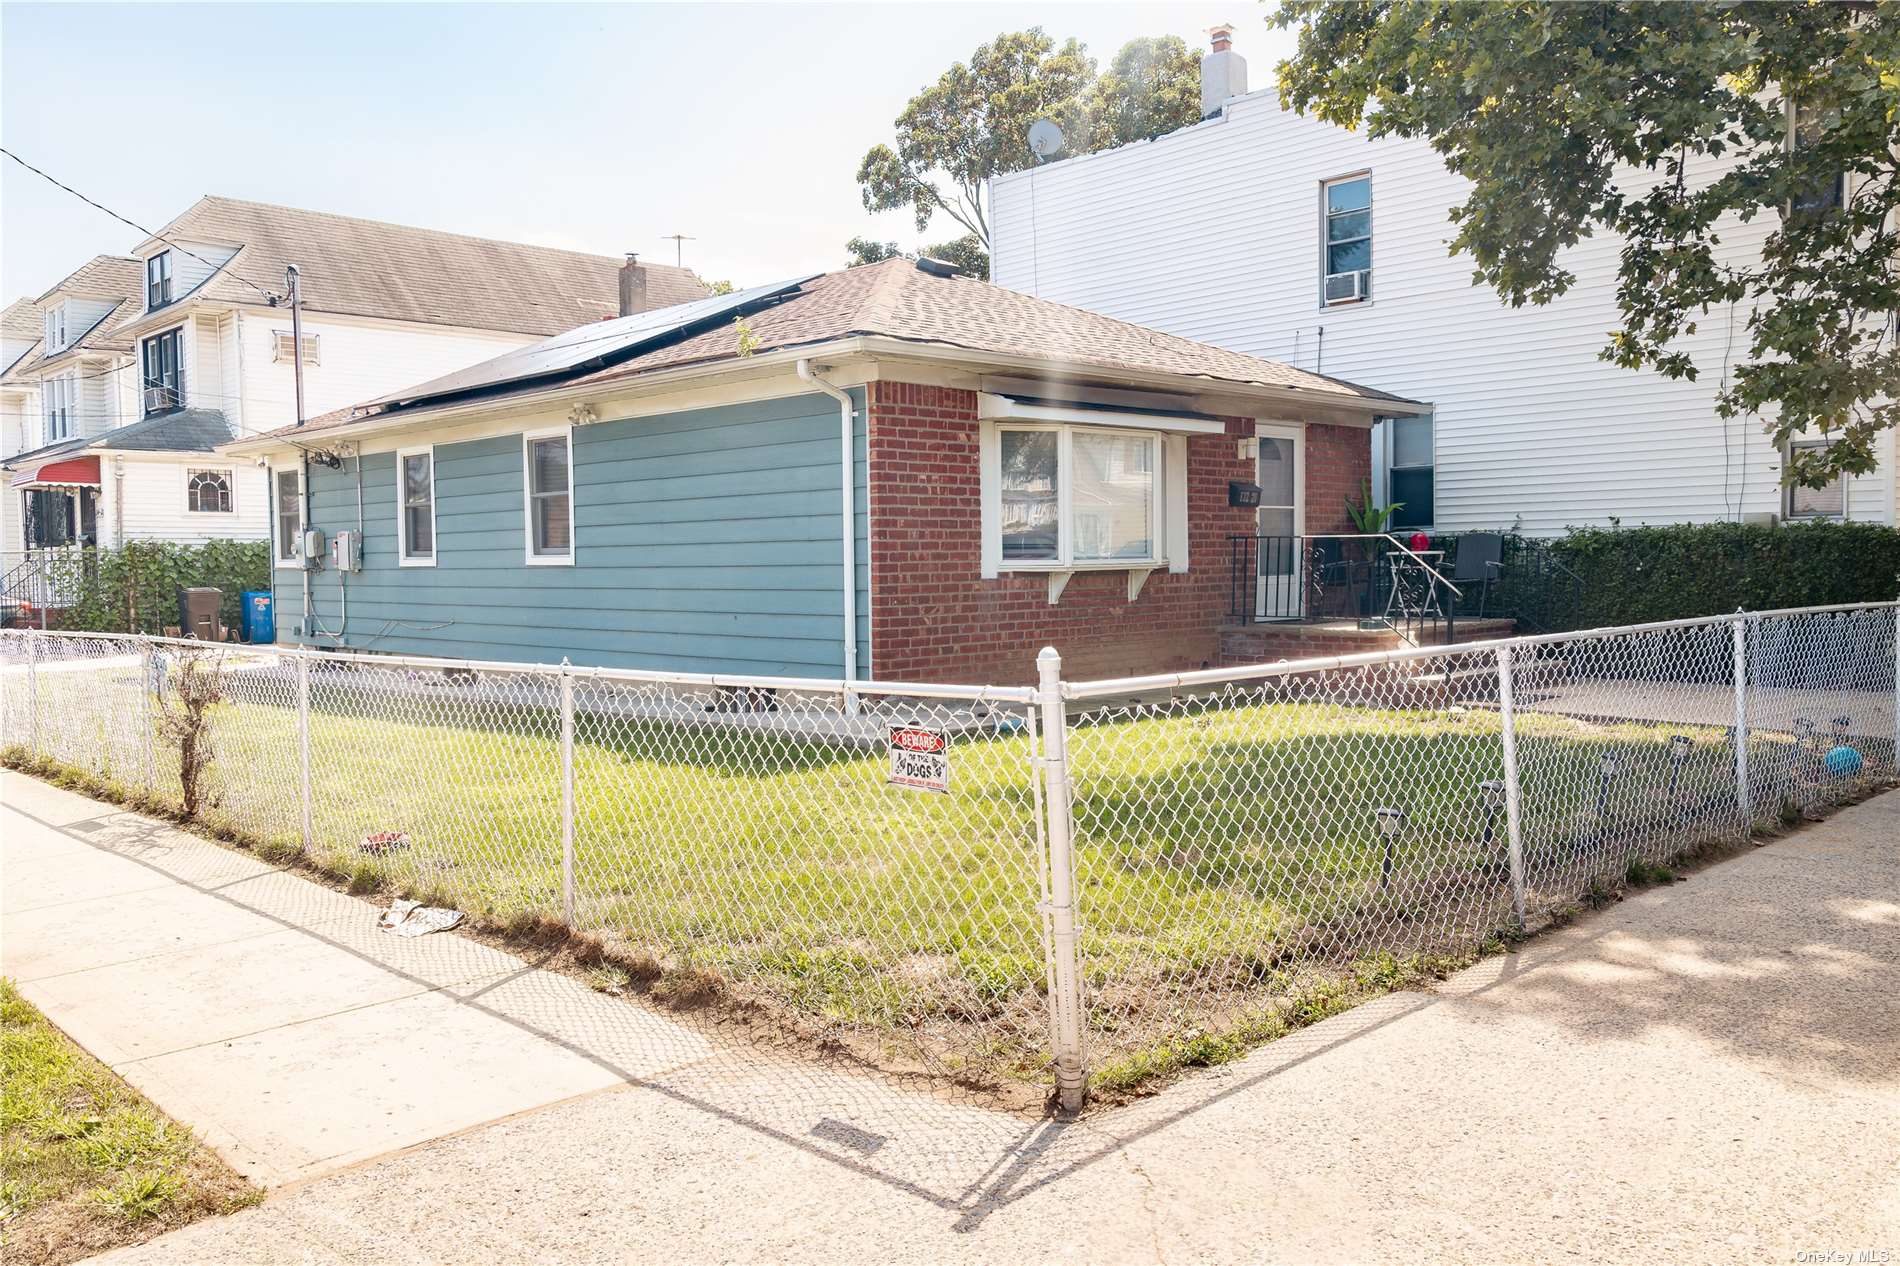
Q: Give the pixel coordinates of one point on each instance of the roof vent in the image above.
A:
(936, 267)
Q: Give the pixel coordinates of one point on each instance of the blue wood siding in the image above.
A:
(706, 541)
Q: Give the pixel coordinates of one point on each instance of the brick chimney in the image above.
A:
(1223, 72)
(633, 286)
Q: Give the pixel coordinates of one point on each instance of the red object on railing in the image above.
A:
(1419, 542)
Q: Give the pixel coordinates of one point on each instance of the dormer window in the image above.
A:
(158, 280)
(55, 329)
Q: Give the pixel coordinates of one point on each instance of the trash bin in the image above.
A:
(259, 623)
(198, 614)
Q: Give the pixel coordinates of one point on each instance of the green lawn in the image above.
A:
(85, 1162)
(1225, 851)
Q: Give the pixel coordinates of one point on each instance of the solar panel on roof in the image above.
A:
(592, 346)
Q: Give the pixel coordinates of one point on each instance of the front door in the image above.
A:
(1281, 550)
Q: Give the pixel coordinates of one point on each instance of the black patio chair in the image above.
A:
(1480, 559)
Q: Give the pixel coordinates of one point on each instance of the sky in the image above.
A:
(602, 128)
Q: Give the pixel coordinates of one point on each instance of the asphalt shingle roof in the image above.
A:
(180, 431)
(361, 267)
(897, 300)
(118, 278)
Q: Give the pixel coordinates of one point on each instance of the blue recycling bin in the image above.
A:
(258, 624)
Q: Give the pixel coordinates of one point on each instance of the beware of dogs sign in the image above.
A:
(920, 758)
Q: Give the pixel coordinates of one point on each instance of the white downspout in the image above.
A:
(849, 543)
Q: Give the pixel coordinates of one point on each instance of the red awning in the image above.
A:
(59, 472)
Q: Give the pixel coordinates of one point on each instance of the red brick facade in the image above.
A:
(934, 617)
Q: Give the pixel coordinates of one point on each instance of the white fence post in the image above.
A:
(1513, 792)
(1744, 798)
(303, 747)
(1065, 1003)
(32, 692)
(567, 793)
(146, 686)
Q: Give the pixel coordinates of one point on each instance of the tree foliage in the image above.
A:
(973, 123)
(1671, 125)
(1151, 87)
(965, 252)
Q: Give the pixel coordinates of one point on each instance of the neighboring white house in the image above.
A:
(1294, 240)
(144, 365)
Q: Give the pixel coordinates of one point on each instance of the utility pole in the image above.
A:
(294, 281)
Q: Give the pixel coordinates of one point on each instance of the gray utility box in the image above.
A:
(198, 614)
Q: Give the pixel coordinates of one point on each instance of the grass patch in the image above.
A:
(86, 1163)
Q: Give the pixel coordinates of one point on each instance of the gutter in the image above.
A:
(849, 535)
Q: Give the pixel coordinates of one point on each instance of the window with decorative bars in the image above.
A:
(209, 491)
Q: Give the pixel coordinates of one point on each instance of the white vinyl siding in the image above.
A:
(1215, 233)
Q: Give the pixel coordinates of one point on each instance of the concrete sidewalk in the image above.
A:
(1707, 1071)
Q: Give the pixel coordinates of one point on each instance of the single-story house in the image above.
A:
(667, 491)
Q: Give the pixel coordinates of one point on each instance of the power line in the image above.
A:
(58, 184)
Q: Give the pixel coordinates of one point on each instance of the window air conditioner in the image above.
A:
(1351, 287)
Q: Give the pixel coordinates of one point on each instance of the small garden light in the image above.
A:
(1390, 820)
(1608, 766)
(1679, 748)
(1491, 792)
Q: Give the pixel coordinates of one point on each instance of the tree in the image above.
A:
(1666, 124)
(965, 252)
(865, 251)
(970, 125)
(1151, 88)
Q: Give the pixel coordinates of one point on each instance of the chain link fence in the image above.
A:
(1110, 880)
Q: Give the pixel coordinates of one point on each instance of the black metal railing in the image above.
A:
(1374, 580)
(26, 589)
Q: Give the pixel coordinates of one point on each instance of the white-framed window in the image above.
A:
(1829, 501)
(55, 329)
(1346, 205)
(59, 397)
(209, 491)
(1410, 480)
(162, 358)
(284, 344)
(415, 498)
(547, 459)
(158, 280)
(287, 489)
(1063, 496)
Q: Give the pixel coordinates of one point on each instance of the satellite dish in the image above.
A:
(1045, 139)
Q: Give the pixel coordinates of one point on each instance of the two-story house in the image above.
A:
(66, 382)
(148, 363)
(1288, 238)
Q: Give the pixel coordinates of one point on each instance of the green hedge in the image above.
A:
(134, 588)
(1640, 574)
